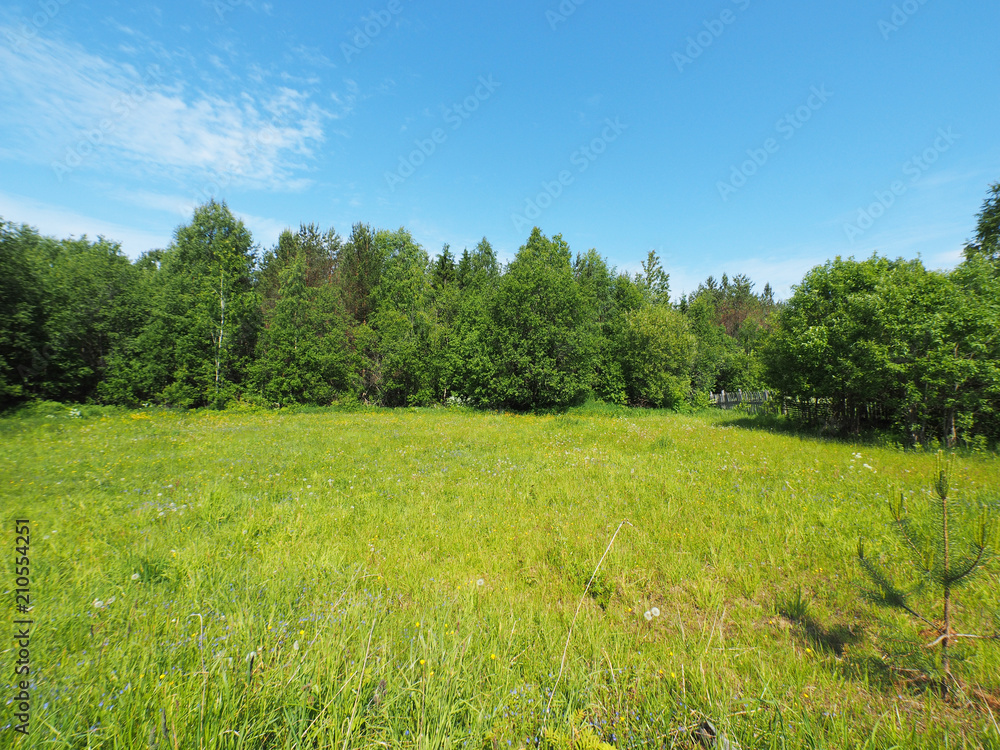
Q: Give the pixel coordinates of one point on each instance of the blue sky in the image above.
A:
(730, 136)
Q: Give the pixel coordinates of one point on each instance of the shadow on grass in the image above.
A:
(867, 668)
(835, 639)
(785, 425)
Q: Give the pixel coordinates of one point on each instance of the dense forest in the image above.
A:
(372, 318)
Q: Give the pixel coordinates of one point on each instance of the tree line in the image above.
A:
(373, 318)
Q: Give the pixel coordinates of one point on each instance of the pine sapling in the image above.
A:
(937, 564)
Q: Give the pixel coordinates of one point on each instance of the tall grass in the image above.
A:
(408, 578)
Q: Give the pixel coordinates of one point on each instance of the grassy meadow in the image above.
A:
(408, 578)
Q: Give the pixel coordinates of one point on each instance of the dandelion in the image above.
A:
(135, 576)
(648, 615)
(480, 582)
(493, 656)
(655, 611)
(295, 646)
(111, 600)
(421, 662)
(98, 604)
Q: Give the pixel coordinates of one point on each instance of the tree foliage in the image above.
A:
(888, 341)
(987, 241)
(943, 561)
(540, 339)
(318, 319)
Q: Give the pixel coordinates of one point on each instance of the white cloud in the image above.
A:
(78, 110)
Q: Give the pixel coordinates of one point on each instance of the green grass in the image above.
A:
(408, 579)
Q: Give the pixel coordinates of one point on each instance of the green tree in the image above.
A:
(445, 270)
(302, 353)
(197, 346)
(24, 350)
(541, 340)
(93, 309)
(657, 357)
(358, 271)
(396, 366)
(318, 250)
(479, 268)
(731, 323)
(891, 337)
(467, 364)
(444, 304)
(67, 306)
(833, 342)
(654, 281)
(940, 561)
(714, 347)
(987, 240)
(597, 285)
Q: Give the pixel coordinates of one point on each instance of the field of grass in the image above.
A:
(409, 578)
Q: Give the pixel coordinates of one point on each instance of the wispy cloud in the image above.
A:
(150, 123)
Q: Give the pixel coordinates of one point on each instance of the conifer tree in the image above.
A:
(940, 562)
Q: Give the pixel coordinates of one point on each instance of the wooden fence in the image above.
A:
(837, 412)
(754, 401)
(810, 410)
